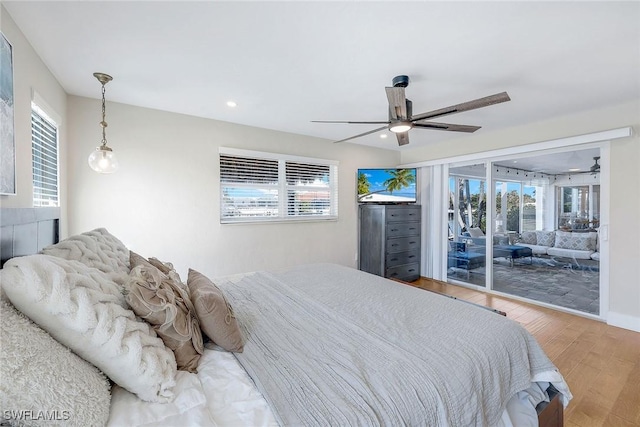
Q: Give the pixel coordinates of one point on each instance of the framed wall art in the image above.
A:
(7, 131)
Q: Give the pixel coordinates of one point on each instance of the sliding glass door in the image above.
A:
(467, 219)
(531, 233)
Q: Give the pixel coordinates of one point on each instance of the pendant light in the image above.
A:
(102, 160)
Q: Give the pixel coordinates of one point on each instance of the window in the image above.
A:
(578, 207)
(44, 148)
(257, 187)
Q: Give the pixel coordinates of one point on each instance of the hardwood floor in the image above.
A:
(601, 363)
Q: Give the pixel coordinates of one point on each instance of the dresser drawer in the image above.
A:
(403, 214)
(409, 272)
(403, 244)
(400, 258)
(401, 229)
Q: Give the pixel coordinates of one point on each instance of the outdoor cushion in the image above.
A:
(545, 238)
(465, 260)
(536, 249)
(511, 251)
(528, 237)
(569, 253)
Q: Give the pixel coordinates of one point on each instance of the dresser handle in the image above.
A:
(411, 271)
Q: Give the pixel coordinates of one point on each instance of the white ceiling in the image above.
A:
(287, 63)
(556, 163)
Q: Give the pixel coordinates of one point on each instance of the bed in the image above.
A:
(324, 345)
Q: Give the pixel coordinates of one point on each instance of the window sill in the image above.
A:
(238, 221)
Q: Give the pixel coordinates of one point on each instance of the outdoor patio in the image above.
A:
(563, 282)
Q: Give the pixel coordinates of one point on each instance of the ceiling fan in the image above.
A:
(401, 118)
(596, 166)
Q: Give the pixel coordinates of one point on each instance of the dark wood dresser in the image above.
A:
(389, 243)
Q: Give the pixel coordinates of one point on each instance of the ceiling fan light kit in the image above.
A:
(401, 118)
(400, 126)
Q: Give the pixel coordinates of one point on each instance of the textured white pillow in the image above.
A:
(128, 410)
(84, 310)
(41, 380)
(96, 248)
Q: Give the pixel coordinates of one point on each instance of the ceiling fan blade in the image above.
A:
(403, 138)
(351, 123)
(465, 106)
(446, 126)
(362, 134)
(397, 103)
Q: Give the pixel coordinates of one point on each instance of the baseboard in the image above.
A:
(623, 321)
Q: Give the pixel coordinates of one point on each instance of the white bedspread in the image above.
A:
(223, 394)
(328, 344)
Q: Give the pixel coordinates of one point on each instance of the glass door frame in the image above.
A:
(434, 190)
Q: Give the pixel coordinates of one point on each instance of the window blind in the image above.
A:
(44, 149)
(268, 187)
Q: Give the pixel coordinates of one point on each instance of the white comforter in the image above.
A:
(220, 394)
(223, 394)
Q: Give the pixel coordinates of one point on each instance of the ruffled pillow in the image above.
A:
(164, 303)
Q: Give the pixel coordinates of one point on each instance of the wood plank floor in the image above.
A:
(601, 363)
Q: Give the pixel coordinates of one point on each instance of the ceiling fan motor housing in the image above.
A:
(400, 81)
(409, 105)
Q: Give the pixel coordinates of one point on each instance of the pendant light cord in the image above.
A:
(103, 123)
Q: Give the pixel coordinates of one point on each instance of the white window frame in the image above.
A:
(283, 187)
(37, 144)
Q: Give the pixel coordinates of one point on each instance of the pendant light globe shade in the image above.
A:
(102, 160)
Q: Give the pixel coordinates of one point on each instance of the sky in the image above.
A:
(377, 177)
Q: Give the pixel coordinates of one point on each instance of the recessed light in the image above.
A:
(383, 135)
(231, 104)
(574, 169)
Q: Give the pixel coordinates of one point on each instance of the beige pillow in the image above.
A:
(214, 312)
(165, 304)
(165, 267)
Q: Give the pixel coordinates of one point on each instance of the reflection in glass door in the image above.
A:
(544, 236)
(545, 239)
(467, 214)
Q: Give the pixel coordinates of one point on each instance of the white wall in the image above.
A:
(164, 200)
(624, 191)
(30, 74)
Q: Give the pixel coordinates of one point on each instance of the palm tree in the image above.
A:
(400, 179)
(363, 184)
